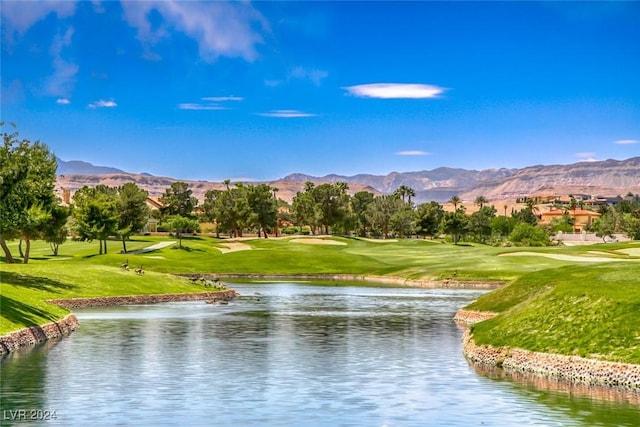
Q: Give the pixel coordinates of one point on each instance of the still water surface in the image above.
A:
(294, 355)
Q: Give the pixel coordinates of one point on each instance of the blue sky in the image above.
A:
(215, 90)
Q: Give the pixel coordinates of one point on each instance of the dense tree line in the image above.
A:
(30, 210)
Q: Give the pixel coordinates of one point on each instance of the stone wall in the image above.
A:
(470, 317)
(390, 280)
(36, 334)
(141, 299)
(573, 369)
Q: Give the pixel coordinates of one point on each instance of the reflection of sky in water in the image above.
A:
(288, 354)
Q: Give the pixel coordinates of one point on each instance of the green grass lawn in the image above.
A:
(573, 310)
(558, 298)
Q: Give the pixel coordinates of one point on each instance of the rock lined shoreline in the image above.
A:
(389, 280)
(140, 299)
(573, 369)
(36, 334)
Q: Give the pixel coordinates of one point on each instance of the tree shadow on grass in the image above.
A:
(34, 282)
(24, 314)
(187, 249)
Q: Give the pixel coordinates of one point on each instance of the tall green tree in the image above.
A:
(133, 212)
(305, 210)
(403, 221)
(381, 211)
(359, 204)
(480, 201)
(262, 201)
(456, 224)
(405, 192)
(455, 201)
(234, 212)
(480, 223)
(333, 203)
(55, 230)
(178, 200)
(428, 218)
(27, 179)
(95, 214)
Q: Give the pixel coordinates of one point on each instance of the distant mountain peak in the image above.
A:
(84, 168)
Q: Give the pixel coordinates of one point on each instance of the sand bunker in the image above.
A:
(378, 240)
(233, 247)
(561, 257)
(630, 251)
(312, 241)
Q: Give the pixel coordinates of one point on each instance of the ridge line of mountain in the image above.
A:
(606, 178)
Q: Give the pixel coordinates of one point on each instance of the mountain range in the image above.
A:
(602, 178)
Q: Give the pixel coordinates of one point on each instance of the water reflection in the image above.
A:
(293, 355)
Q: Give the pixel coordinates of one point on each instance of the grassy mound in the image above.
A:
(25, 289)
(588, 311)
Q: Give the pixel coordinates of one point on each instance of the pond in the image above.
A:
(285, 354)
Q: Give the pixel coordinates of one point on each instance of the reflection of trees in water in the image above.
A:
(589, 404)
(23, 373)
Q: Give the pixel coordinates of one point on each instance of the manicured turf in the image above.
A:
(571, 300)
(575, 310)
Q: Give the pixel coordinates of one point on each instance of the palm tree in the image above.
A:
(480, 201)
(405, 191)
(455, 200)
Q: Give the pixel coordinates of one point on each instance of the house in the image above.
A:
(152, 223)
(581, 218)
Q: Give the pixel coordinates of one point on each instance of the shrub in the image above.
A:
(525, 234)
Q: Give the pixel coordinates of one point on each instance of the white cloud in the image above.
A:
(412, 153)
(63, 101)
(587, 156)
(286, 114)
(222, 98)
(61, 82)
(20, 15)
(627, 141)
(395, 90)
(194, 106)
(103, 104)
(316, 76)
(219, 28)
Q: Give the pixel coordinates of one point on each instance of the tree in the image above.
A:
(27, 179)
(529, 235)
(480, 222)
(178, 200)
(211, 208)
(133, 212)
(403, 221)
(455, 200)
(233, 210)
(405, 191)
(55, 230)
(428, 218)
(95, 214)
(262, 201)
(304, 209)
(503, 225)
(333, 202)
(605, 226)
(630, 224)
(480, 201)
(359, 205)
(179, 224)
(381, 211)
(456, 224)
